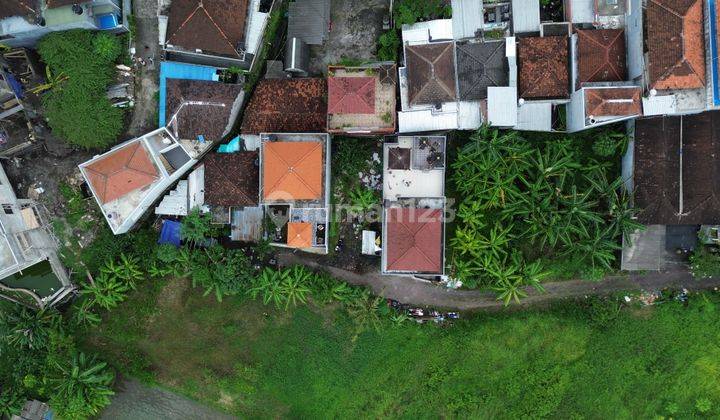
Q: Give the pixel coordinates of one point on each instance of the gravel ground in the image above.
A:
(135, 401)
(356, 27)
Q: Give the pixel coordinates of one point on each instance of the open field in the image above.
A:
(572, 361)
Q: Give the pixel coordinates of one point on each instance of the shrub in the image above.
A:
(196, 226)
(704, 263)
(106, 46)
(78, 110)
(388, 46)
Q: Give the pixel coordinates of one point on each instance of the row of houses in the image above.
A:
(499, 64)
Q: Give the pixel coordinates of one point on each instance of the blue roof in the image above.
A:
(170, 233)
(175, 70)
(108, 21)
(712, 6)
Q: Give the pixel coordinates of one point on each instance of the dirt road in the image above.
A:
(135, 401)
(408, 290)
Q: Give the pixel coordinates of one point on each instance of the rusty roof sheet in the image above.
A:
(543, 63)
(287, 106)
(122, 171)
(299, 235)
(676, 44)
(215, 26)
(601, 55)
(292, 170)
(414, 240)
(660, 179)
(430, 73)
(613, 102)
(231, 179)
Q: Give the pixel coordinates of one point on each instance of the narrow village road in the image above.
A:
(146, 47)
(136, 401)
(417, 292)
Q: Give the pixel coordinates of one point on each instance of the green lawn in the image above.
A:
(571, 361)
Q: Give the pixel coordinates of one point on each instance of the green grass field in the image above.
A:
(571, 361)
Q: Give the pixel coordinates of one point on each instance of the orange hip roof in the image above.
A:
(299, 235)
(292, 170)
(121, 171)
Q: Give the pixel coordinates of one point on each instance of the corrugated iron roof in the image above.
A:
(309, 20)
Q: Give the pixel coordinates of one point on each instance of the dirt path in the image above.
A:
(408, 290)
(147, 48)
(134, 401)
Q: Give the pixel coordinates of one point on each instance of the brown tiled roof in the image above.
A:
(613, 102)
(121, 171)
(231, 179)
(10, 8)
(430, 73)
(51, 4)
(292, 170)
(215, 26)
(210, 119)
(658, 180)
(543, 63)
(287, 106)
(601, 55)
(676, 44)
(414, 240)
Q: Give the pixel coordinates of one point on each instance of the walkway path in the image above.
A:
(408, 290)
(135, 401)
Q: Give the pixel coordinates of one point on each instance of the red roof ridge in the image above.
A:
(413, 246)
(222, 33)
(607, 52)
(355, 93)
(190, 16)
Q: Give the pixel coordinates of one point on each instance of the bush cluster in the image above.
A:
(78, 109)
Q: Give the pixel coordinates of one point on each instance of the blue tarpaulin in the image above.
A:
(170, 233)
(232, 146)
(175, 70)
(15, 85)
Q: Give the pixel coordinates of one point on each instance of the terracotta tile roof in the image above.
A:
(10, 8)
(430, 73)
(299, 235)
(660, 179)
(292, 170)
(215, 26)
(543, 71)
(481, 65)
(211, 119)
(287, 106)
(414, 240)
(231, 179)
(676, 44)
(121, 171)
(613, 102)
(351, 95)
(601, 55)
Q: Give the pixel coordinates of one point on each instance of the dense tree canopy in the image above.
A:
(78, 109)
(523, 201)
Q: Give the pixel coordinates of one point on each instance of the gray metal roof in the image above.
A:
(309, 20)
(479, 66)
